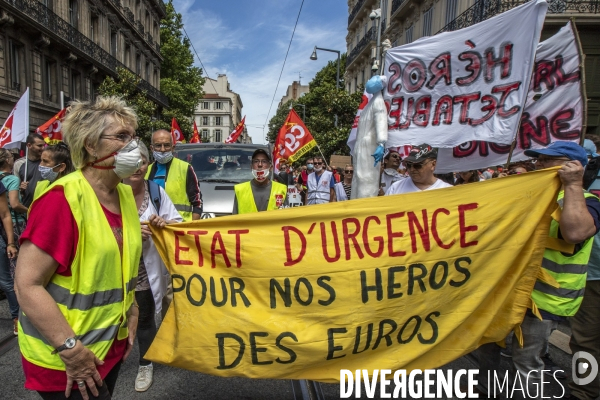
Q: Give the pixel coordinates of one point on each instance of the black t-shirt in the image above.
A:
(33, 177)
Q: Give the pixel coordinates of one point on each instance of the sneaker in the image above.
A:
(506, 352)
(16, 326)
(144, 378)
(552, 369)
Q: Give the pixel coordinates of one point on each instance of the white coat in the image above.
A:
(372, 129)
(158, 276)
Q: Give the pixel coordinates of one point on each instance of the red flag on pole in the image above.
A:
(196, 137)
(51, 131)
(233, 136)
(176, 132)
(16, 126)
(293, 140)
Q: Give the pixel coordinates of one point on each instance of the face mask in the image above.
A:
(318, 169)
(309, 166)
(128, 160)
(260, 174)
(48, 173)
(162, 157)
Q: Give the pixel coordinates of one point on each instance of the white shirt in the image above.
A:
(407, 186)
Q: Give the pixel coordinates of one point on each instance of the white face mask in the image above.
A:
(260, 174)
(128, 160)
(162, 157)
(318, 169)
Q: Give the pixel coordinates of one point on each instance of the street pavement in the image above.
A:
(173, 383)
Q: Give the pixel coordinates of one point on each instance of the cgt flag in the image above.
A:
(196, 137)
(293, 140)
(233, 136)
(176, 132)
(51, 131)
(16, 127)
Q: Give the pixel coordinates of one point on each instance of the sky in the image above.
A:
(247, 40)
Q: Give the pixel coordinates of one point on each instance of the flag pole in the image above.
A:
(581, 80)
(26, 158)
(324, 160)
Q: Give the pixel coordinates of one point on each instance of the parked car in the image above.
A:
(219, 166)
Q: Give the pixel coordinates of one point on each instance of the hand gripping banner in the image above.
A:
(404, 282)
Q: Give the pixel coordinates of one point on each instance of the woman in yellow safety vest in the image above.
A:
(55, 163)
(76, 289)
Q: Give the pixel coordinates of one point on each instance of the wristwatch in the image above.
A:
(69, 344)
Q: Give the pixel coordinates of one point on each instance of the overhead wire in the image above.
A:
(203, 67)
(283, 66)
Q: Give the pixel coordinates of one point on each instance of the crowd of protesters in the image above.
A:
(78, 310)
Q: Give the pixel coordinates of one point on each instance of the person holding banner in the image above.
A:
(76, 289)
(261, 193)
(320, 184)
(29, 165)
(343, 189)
(420, 165)
(563, 263)
(175, 176)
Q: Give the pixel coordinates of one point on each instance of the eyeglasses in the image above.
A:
(394, 156)
(162, 146)
(257, 162)
(121, 137)
(416, 166)
(349, 171)
(318, 163)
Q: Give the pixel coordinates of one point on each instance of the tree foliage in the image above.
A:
(125, 86)
(180, 80)
(322, 103)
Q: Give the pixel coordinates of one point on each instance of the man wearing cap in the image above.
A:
(420, 165)
(563, 263)
(261, 193)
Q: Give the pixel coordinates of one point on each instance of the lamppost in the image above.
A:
(376, 15)
(313, 57)
(303, 109)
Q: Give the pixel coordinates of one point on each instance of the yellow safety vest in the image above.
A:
(40, 188)
(96, 297)
(245, 198)
(569, 271)
(175, 186)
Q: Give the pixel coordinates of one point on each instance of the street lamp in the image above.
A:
(303, 109)
(376, 15)
(313, 57)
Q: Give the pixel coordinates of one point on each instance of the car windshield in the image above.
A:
(219, 164)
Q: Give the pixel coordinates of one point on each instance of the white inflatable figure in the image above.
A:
(371, 135)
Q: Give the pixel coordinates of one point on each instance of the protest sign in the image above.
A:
(469, 84)
(387, 282)
(553, 111)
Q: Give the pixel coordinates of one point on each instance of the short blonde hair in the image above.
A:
(86, 121)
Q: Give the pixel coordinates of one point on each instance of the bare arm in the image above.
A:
(11, 247)
(15, 204)
(332, 197)
(576, 223)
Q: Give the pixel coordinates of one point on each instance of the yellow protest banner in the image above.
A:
(399, 282)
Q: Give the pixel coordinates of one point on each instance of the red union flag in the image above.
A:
(196, 137)
(16, 126)
(176, 132)
(51, 131)
(233, 136)
(293, 140)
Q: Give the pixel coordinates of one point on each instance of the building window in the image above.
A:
(451, 6)
(17, 64)
(75, 88)
(148, 71)
(217, 135)
(138, 64)
(205, 135)
(427, 19)
(355, 83)
(113, 43)
(218, 105)
(206, 105)
(73, 13)
(127, 59)
(155, 78)
(94, 27)
(363, 76)
(218, 121)
(49, 80)
(409, 34)
(205, 121)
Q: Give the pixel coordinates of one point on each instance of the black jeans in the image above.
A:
(146, 324)
(104, 392)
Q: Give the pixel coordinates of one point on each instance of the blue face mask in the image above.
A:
(48, 173)
(309, 166)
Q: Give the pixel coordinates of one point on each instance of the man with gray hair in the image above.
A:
(177, 177)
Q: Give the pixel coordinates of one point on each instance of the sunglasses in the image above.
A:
(349, 171)
(416, 166)
(318, 163)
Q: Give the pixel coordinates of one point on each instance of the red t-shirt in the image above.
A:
(52, 227)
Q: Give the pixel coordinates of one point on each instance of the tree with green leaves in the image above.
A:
(179, 79)
(322, 103)
(125, 85)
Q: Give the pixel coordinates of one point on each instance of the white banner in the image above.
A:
(352, 138)
(16, 127)
(554, 109)
(469, 84)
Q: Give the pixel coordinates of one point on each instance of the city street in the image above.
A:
(172, 383)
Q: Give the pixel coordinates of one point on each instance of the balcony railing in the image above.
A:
(371, 35)
(55, 26)
(355, 11)
(484, 9)
(396, 5)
